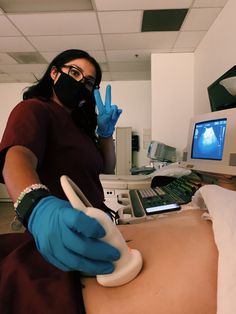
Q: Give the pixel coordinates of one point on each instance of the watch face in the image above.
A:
(16, 225)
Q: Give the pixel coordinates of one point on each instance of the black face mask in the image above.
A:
(72, 94)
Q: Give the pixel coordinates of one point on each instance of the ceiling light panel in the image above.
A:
(120, 21)
(57, 23)
(27, 57)
(200, 19)
(23, 6)
(109, 5)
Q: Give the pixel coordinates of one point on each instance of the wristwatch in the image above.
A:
(27, 203)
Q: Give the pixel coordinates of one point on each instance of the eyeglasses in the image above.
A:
(78, 75)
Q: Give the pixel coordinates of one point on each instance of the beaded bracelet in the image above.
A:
(27, 190)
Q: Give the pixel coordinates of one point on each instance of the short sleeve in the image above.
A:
(27, 126)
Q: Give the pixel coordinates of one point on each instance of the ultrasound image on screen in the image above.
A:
(208, 139)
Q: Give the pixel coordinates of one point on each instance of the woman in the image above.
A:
(52, 132)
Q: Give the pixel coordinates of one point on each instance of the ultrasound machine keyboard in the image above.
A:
(179, 191)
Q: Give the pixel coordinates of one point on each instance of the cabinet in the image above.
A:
(3, 193)
(123, 146)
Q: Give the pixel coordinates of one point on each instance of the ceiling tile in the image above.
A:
(184, 49)
(189, 39)
(60, 43)
(44, 5)
(132, 55)
(6, 27)
(56, 24)
(5, 78)
(98, 55)
(120, 21)
(106, 76)
(49, 56)
(104, 67)
(128, 55)
(6, 59)
(150, 40)
(23, 68)
(14, 44)
(200, 19)
(25, 77)
(128, 76)
(209, 3)
(109, 30)
(130, 66)
(109, 5)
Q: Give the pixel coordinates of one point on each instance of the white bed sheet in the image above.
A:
(221, 205)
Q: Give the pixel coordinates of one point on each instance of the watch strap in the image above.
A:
(28, 202)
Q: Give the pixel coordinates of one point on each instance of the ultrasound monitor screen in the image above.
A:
(208, 139)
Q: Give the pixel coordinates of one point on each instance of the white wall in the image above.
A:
(10, 95)
(172, 97)
(134, 98)
(215, 55)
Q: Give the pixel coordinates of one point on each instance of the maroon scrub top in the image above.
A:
(48, 130)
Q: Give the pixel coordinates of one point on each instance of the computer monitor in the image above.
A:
(151, 149)
(161, 152)
(219, 96)
(211, 144)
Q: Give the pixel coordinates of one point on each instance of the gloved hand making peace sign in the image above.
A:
(108, 114)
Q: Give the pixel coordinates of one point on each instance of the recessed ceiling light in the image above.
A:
(27, 57)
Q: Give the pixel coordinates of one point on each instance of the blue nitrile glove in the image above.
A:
(69, 239)
(108, 114)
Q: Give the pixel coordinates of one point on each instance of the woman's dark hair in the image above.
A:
(84, 118)
(42, 88)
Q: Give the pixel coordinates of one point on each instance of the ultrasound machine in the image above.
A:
(210, 150)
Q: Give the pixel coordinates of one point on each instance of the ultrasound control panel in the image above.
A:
(161, 199)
